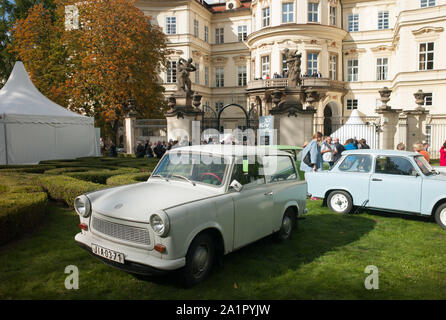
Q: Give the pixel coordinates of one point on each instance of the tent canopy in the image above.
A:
(33, 128)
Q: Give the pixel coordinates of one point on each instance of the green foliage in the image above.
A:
(99, 176)
(66, 189)
(127, 178)
(22, 206)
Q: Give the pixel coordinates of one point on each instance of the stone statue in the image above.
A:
(184, 68)
(293, 61)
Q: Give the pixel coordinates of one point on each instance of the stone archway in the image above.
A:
(331, 118)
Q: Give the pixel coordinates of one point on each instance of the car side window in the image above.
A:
(394, 165)
(252, 177)
(279, 168)
(356, 163)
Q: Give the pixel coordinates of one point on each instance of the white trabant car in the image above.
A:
(386, 180)
(200, 202)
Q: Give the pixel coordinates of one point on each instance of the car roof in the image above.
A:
(379, 152)
(231, 150)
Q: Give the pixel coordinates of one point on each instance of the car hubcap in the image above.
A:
(443, 216)
(200, 260)
(286, 226)
(339, 202)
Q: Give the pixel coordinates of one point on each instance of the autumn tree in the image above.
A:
(106, 63)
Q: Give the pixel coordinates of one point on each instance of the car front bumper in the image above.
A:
(137, 261)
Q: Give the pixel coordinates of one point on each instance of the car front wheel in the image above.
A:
(340, 202)
(199, 260)
(440, 215)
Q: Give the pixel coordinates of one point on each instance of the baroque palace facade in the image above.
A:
(355, 47)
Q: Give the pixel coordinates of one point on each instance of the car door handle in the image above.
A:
(270, 193)
(376, 179)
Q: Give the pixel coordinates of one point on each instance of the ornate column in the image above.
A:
(389, 120)
(415, 120)
(293, 123)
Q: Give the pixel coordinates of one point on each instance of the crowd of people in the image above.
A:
(285, 75)
(325, 149)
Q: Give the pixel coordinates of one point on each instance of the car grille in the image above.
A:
(121, 231)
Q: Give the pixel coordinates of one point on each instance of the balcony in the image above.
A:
(322, 83)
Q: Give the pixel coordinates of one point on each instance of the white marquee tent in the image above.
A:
(33, 128)
(355, 128)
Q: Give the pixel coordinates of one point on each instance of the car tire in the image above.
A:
(440, 215)
(340, 202)
(199, 260)
(289, 223)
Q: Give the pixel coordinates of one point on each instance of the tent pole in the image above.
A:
(6, 140)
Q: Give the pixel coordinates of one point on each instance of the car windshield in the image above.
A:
(424, 166)
(201, 168)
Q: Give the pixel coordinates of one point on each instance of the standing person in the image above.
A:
(327, 151)
(350, 145)
(418, 147)
(401, 146)
(363, 144)
(102, 145)
(338, 150)
(443, 155)
(315, 156)
(158, 150)
(149, 150)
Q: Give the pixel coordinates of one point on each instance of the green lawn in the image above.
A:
(325, 259)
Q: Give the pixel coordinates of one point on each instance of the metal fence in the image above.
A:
(436, 134)
(151, 129)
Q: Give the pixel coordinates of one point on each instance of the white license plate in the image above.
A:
(107, 253)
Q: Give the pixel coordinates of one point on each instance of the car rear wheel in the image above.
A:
(340, 202)
(199, 260)
(288, 224)
(440, 215)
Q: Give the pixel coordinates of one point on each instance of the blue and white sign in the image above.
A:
(266, 130)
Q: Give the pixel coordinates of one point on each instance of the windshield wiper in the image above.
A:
(159, 176)
(183, 177)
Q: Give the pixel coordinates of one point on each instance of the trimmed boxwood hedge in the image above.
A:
(22, 205)
(128, 178)
(66, 189)
(99, 176)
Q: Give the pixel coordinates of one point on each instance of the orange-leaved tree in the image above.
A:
(96, 63)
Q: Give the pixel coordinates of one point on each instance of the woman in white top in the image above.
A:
(327, 151)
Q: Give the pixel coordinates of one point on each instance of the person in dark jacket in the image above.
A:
(338, 150)
(363, 145)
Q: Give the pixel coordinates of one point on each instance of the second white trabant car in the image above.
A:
(200, 202)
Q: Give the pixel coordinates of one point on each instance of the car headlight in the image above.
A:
(160, 223)
(82, 206)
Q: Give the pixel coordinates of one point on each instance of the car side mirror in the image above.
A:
(237, 186)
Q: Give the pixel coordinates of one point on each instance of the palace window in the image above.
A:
(241, 76)
(284, 64)
(265, 67)
(219, 35)
(333, 67)
(352, 70)
(197, 74)
(206, 76)
(196, 28)
(171, 72)
(383, 20)
(353, 22)
(219, 77)
(382, 66)
(312, 67)
(333, 16)
(428, 100)
(171, 25)
(287, 12)
(352, 104)
(427, 3)
(313, 12)
(206, 34)
(242, 33)
(426, 56)
(266, 17)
